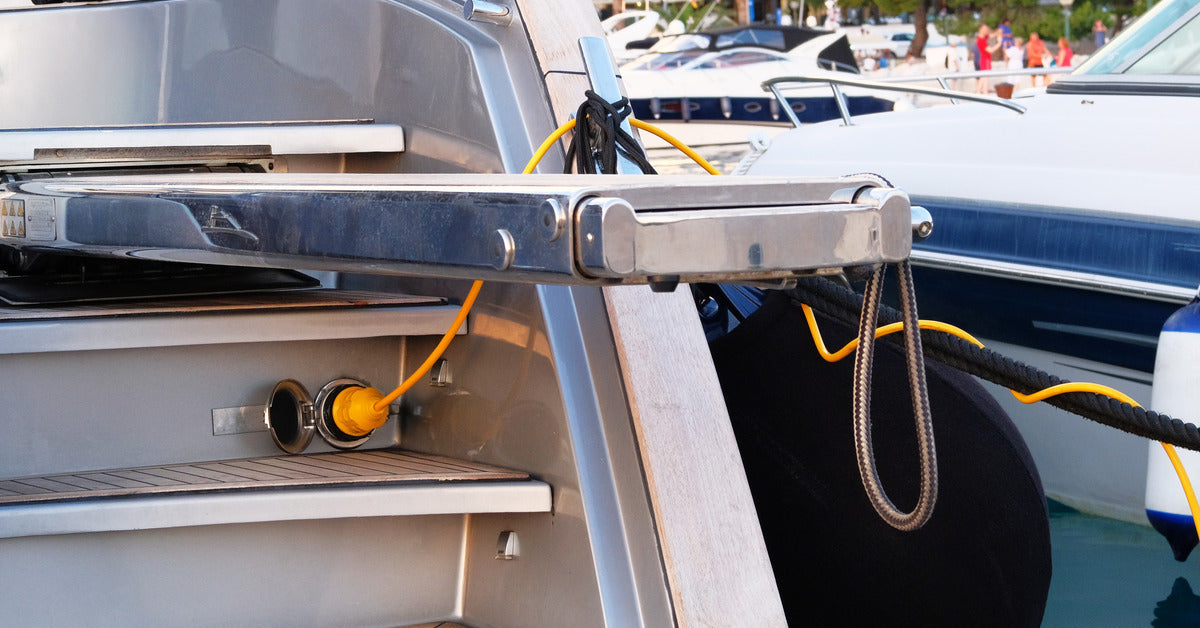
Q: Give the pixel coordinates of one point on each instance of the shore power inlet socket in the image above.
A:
(292, 416)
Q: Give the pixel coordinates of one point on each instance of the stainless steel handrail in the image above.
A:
(941, 77)
(1096, 282)
(836, 82)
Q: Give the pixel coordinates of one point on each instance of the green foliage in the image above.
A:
(698, 15)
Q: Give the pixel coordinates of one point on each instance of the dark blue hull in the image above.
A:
(764, 109)
(1046, 317)
(1116, 329)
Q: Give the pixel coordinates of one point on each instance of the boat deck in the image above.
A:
(374, 468)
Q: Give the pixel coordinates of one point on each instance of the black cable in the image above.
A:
(845, 305)
(599, 138)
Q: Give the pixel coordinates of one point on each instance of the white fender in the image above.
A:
(1176, 393)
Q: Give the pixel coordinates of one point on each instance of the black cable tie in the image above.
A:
(599, 139)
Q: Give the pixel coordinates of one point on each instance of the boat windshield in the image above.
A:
(1166, 40)
(665, 61)
(1178, 54)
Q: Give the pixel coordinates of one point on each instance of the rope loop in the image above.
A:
(915, 362)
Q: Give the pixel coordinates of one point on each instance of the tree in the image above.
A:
(918, 8)
(742, 11)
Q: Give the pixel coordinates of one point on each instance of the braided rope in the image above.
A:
(914, 359)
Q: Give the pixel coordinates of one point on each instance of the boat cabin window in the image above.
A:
(755, 37)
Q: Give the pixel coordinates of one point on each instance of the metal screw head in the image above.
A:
(504, 249)
(922, 223)
(554, 219)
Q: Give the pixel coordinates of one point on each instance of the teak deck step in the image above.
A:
(389, 482)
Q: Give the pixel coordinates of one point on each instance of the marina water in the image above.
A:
(1113, 573)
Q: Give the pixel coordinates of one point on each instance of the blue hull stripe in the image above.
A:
(1041, 236)
(1042, 316)
(1052, 317)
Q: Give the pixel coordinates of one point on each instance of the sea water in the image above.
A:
(1113, 573)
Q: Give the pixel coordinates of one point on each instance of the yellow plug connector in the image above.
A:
(357, 411)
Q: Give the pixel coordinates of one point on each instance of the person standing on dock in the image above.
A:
(985, 57)
(1014, 59)
(1035, 53)
(1100, 32)
(1006, 36)
(1065, 54)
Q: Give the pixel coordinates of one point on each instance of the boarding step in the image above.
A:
(198, 144)
(293, 315)
(375, 483)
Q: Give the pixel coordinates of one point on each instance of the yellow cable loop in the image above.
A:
(879, 333)
(670, 139)
(882, 331)
(684, 148)
(1040, 395)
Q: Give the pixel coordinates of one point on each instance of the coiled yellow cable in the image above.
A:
(1035, 397)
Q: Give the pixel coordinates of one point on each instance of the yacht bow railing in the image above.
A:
(902, 85)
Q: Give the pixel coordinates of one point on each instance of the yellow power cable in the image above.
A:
(1101, 389)
(684, 148)
(1035, 397)
(545, 147)
(437, 351)
(359, 410)
(670, 139)
(879, 333)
